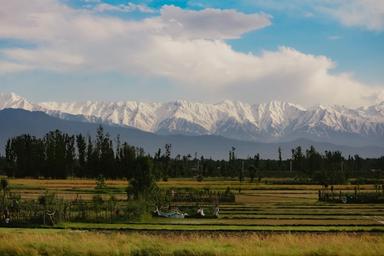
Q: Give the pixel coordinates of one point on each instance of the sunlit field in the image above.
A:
(258, 206)
(59, 242)
(265, 219)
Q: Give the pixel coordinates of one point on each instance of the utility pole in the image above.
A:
(290, 165)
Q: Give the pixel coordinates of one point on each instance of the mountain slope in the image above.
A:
(271, 122)
(16, 122)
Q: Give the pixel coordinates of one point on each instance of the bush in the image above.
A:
(100, 182)
(47, 199)
(360, 181)
(97, 199)
(136, 210)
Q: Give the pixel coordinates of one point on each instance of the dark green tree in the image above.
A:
(82, 154)
(280, 158)
(142, 182)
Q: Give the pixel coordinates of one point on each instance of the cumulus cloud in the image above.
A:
(186, 47)
(211, 23)
(47, 59)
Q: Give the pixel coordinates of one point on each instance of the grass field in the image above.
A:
(265, 219)
(257, 206)
(64, 242)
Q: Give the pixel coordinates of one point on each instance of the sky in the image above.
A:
(307, 52)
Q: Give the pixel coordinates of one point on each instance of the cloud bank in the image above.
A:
(186, 47)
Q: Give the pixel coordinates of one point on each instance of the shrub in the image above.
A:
(199, 178)
(136, 210)
(100, 182)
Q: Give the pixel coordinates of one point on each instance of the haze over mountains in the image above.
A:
(275, 121)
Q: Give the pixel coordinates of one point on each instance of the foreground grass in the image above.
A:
(64, 242)
(216, 228)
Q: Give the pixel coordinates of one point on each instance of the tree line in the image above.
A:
(61, 155)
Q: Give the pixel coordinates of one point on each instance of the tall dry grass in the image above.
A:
(64, 242)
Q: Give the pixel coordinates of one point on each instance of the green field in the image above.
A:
(257, 207)
(265, 219)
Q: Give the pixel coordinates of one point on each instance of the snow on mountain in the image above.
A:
(11, 100)
(339, 119)
(273, 121)
(375, 112)
(276, 116)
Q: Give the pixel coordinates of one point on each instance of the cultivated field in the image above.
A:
(265, 219)
(258, 207)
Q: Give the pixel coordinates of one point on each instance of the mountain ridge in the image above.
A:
(18, 121)
(266, 122)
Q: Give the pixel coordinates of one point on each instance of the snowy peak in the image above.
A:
(269, 122)
(276, 115)
(374, 111)
(11, 100)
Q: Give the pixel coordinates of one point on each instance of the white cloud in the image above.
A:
(11, 67)
(211, 23)
(185, 47)
(129, 7)
(47, 59)
(368, 14)
(334, 37)
(91, 1)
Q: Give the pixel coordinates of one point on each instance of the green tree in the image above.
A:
(314, 161)
(298, 159)
(60, 154)
(126, 161)
(166, 161)
(81, 152)
(4, 188)
(280, 158)
(252, 172)
(142, 183)
(25, 156)
(92, 159)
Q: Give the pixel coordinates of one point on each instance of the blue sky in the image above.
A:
(306, 52)
(352, 48)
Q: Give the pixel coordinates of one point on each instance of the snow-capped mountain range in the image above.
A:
(267, 122)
